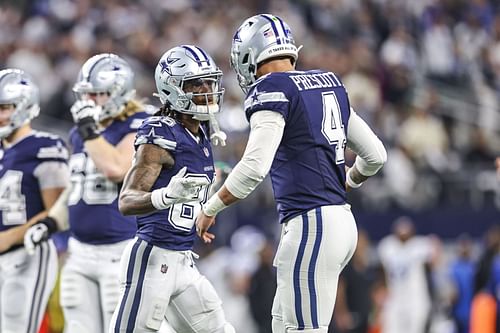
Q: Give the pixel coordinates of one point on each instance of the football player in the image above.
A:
(166, 186)
(106, 116)
(33, 173)
(300, 123)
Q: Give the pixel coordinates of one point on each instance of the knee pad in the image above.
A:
(156, 313)
(72, 292)
(110, 293)
(14, 299)
(200, 308)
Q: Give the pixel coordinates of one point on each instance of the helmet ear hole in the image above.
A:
(245, 59)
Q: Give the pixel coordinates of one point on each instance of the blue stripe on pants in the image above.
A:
(296, 272)
(137, 297)
(312, 268)
(130, 273)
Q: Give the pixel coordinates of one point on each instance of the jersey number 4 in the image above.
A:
(12, 201)
(332, 126)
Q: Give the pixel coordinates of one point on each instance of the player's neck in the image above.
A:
(17, 135)
(278, 65)
(192, 125)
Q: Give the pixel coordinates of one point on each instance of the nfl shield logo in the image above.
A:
(164, 268)
(205, 150)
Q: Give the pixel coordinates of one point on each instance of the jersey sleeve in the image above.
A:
(51, 148)
(272, 93)
(157, 131)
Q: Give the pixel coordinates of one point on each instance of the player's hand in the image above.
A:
(83, 109)
(218, 138)
(184, 189)
(203, 223)
(84, 114)
(347, 187)
(35, 235)
(39, 233)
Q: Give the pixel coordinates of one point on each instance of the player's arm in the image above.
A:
(371, 154)
(52, 177)
(266, 132)
(112, 161)
(135, 196)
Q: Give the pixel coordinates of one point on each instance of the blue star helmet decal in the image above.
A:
(166, 65)
(236, 37)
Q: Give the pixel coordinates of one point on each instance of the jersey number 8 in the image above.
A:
(89, 184)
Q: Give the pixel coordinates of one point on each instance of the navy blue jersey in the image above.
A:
(20, 193)
(308, 169)
(94, 217)
(173, 228)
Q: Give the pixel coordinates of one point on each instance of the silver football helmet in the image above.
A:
(189, 64)
(18, 88)
(259, 38)
(106, 73)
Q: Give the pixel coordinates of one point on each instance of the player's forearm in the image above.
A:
(135, 202)
(16, 234)
(108, 159)
(370, 150)
(59, 211)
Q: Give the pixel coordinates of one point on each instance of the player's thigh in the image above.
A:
(79, 299)
(197, 308)
(147, 279)
(26, 289)
(313, 250)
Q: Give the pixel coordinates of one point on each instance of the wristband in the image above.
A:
(87, 129)
(157, 199)
(213, 206)
(351, 182)
(50, 223)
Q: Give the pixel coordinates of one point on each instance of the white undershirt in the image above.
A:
(266, 132)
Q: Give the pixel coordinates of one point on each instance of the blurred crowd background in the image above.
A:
(424, 74)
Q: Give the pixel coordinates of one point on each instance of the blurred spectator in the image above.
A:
(262, 289)
(354, 305)
(462, 277)
(407, 259)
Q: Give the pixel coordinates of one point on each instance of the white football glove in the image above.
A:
(178, 190)
(35, 235)
(84, 109)
(218, 138)
(39, 233)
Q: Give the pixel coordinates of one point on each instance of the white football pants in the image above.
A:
(313, 250)
(158, 284)
(89, 286)
(25, 285)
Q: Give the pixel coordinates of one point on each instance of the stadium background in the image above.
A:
(424, 74)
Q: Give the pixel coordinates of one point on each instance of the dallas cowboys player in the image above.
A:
(107, 116)
(168, 182)
(300, 124)
(33, 173)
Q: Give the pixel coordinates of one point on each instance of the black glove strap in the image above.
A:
(87, 128)
(50, 223)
